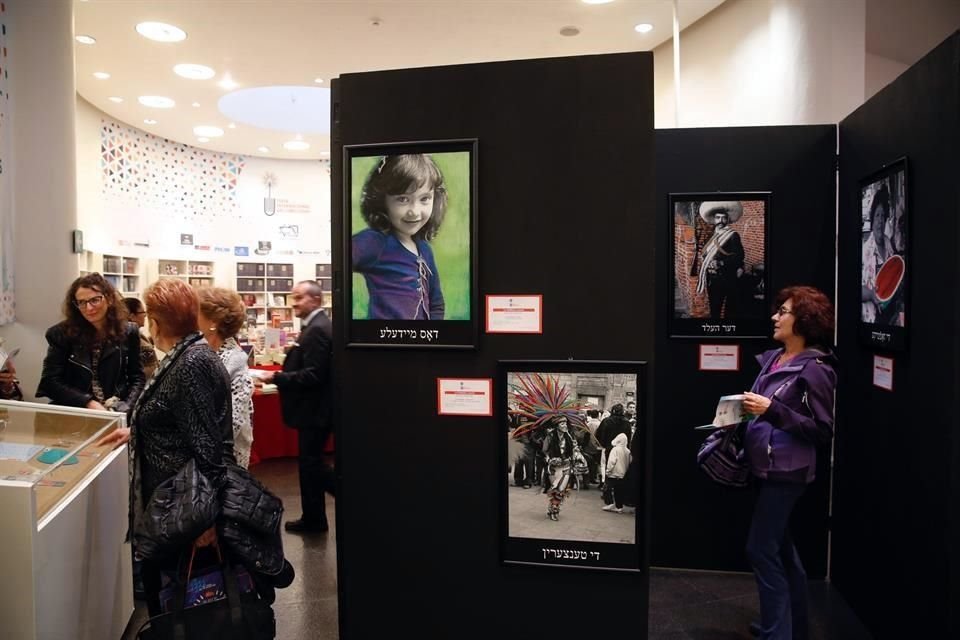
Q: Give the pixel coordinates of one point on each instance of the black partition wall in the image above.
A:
(566, 198)
(695, 523)
(896, 540)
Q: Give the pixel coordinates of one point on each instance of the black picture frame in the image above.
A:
(727, 297)
(374, 256)
(884, 256)
(583, 536)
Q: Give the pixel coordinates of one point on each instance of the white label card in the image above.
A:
(464, 396)
(719, 357)
(883, 372)
(515, 314)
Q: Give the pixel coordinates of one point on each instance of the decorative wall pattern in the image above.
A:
(171, 179)
(7, 306)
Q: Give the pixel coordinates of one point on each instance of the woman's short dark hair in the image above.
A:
(133, 305)
(400, 174)
(173, 305)
(812, 314)
(616, 410)
(880, 198)
(115, 322)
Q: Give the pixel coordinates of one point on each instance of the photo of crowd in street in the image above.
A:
(571, 438)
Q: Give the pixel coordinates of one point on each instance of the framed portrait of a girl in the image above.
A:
(410, 244)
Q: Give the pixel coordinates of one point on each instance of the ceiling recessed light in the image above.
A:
(643, 27)
(157, 102)
(161, 32)
(263, 149)
(116, 99)
(149, 121)
(569, 31)
(232, 125)
(82, 39)
(296, 145)
(318, 80)
(194, 71)
(203, 139)
(195, 104)
(227, 83)
(207, 131)
(101, 75)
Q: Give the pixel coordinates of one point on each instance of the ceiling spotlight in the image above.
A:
(82, 39)
(203, 139)
(227, 83)
(149, 121)
(195, 104)
(207, 131)
(263, 149)
(101, 75)
(318, 80)
(232, 125)
(296, 145)
(157, 102)
(161, 32)
(643, 27)
(194, 71)
(116, 99)
(569, 31)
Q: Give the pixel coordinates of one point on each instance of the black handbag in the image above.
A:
(722, 458)
(239, 616)
(180, 509)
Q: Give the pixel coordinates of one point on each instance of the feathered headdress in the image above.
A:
(541, 397)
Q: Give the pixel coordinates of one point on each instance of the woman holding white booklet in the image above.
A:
(792, 400)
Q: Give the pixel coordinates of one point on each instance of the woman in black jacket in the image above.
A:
(93, 355)
(183, 414)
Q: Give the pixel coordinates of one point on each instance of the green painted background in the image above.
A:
(451, 247)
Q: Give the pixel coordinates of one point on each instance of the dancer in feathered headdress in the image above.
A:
(548, 408)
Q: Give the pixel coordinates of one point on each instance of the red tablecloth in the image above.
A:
(271, 437)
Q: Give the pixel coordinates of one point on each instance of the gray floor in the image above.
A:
(684, 605)
(581, 517)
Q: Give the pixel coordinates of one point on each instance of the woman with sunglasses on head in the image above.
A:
(792, 405)
(93, 354)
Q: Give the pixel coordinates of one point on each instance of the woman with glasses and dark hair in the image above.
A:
(93, 354)
(792, 401)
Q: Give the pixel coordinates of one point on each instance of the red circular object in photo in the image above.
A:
(889, 278)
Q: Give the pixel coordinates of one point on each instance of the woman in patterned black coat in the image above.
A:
(183, 413)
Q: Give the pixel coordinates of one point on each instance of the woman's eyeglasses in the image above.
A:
(783, 311)
(89, 302)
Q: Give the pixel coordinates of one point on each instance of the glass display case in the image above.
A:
(64, 504)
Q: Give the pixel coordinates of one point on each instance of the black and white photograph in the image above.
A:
(884, 217)
(409, 245)
(574, 437)
(720, 272)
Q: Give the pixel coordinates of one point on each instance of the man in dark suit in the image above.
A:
(305, 398)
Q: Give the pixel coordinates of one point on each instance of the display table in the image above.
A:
(271, 437)
(66, 566)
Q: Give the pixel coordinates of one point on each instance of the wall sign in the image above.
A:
(464, 396)
(883, 372)
(719, 357)
(515, 314)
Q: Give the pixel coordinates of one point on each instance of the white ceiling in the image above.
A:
(292, 42)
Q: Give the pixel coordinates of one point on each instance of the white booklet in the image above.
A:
(730, 412)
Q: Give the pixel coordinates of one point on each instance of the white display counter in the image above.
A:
(66, 568)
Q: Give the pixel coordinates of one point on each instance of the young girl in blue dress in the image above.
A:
(403, 203)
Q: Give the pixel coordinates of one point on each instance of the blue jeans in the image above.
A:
(781, 578)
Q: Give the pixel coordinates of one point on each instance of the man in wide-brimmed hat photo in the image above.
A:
(722, 258)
